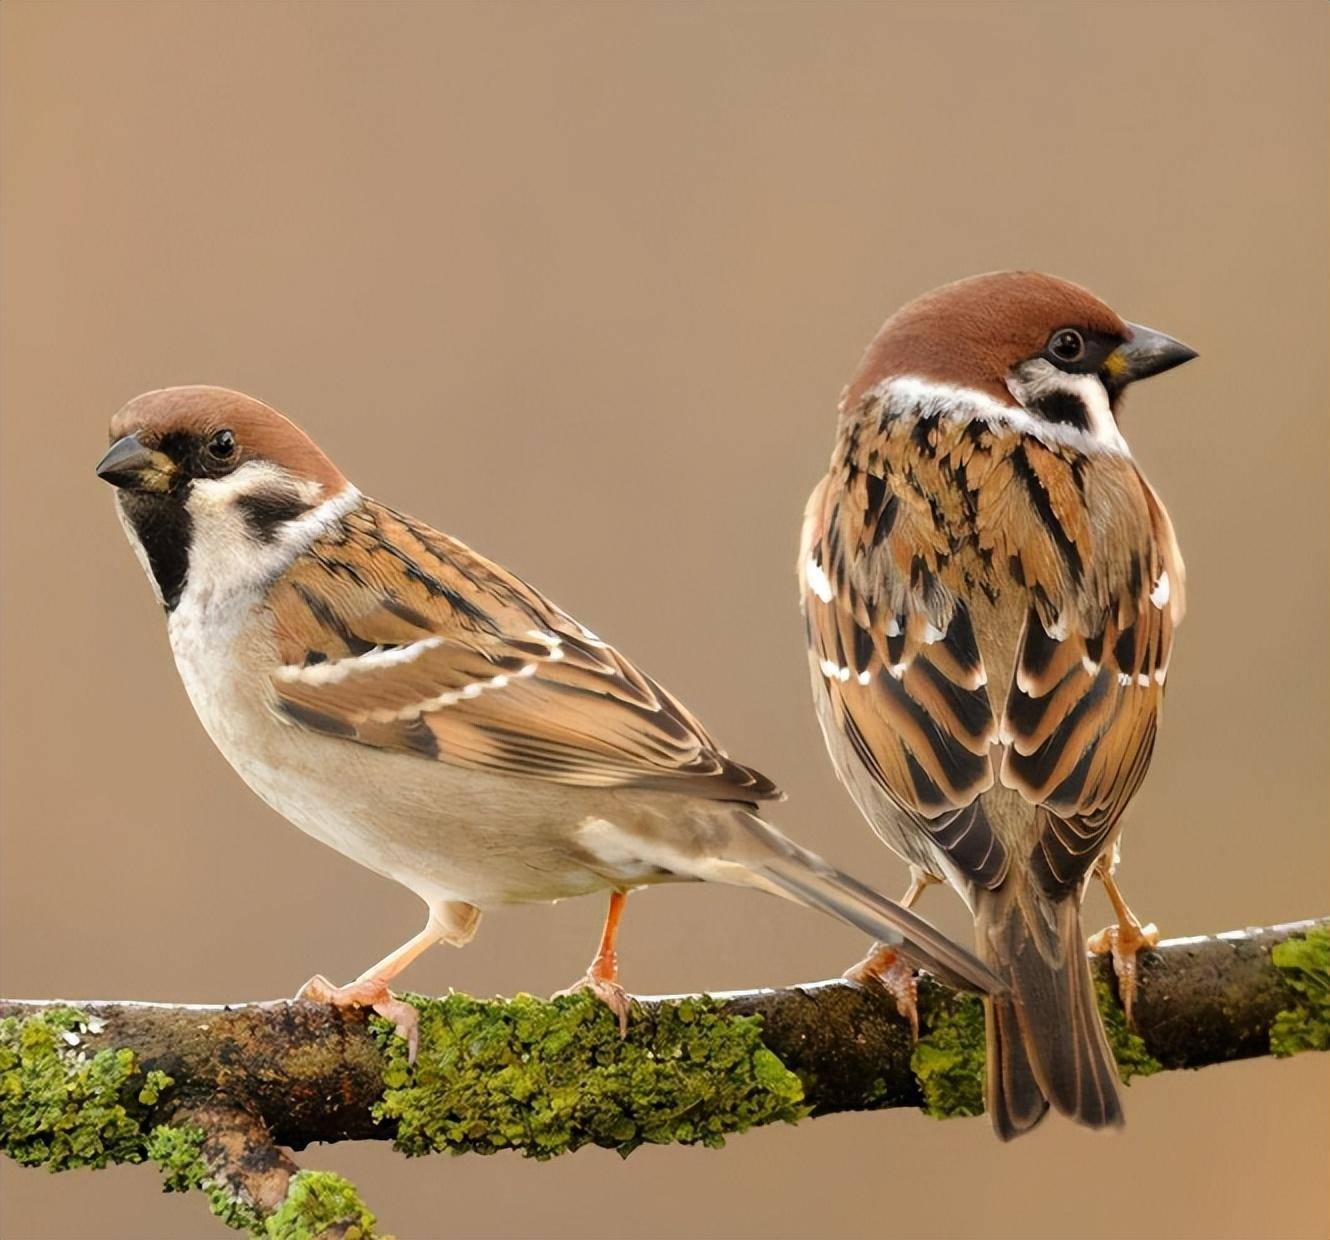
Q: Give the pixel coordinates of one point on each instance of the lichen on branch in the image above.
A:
(948, 1059)
(210, 1094)
(1305, 963)
(549, 1077)
(64, 1105)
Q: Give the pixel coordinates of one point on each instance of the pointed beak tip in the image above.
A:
(1149, 353)
(125, 462)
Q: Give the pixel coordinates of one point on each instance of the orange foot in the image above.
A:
(883, 967)
(608, 991)
(1125, 941)
(370, 992)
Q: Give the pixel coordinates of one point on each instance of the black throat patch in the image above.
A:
(163, 526)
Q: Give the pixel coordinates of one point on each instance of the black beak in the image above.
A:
(1147, 353)
(129, 464)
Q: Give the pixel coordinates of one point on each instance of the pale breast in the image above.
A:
(443, 832)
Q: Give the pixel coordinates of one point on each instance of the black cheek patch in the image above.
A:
(1063, 408)
(267, 511)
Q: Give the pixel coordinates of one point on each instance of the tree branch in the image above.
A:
(210, 1092)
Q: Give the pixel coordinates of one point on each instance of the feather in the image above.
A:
(393, 635)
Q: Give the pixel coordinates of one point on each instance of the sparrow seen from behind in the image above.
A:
(991, 588)
(428, 714)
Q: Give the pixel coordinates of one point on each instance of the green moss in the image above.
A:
(546, 1077)
(155, 1084)
(178, 1153)
(315, 1201)
(1127, 1045)
(948, 1061)
(1305, 964)
(61, 1107)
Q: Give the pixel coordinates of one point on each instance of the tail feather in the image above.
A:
(808, 880)
(1046, 1041)
(1015, 1101)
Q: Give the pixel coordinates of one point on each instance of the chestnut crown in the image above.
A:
(976, 332)
(163, 439)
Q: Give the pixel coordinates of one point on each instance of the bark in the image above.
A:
(289, 1073)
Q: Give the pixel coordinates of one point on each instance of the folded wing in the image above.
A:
(1088, 685)
(904, 545)
(393, 635)
(895, 653)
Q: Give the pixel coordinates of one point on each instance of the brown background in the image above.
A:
(581, 284)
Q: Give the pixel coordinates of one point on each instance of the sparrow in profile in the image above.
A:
(428, 714)
(990, 588)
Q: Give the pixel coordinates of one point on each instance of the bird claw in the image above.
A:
(608, 991)
(885, 967)
(1124, 943)
(373, 993)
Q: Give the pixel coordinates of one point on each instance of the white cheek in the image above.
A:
(1037, 379)
(228, 564)
(909, 396)
(1103, 425)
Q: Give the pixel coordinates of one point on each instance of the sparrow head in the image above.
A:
(207, 467)
(1024, 339)
(164, 442)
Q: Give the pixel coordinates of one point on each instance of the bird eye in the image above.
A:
(1067, 344)
(222, 446)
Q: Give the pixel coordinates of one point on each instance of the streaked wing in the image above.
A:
(896, 655)
(922, 523)
(393, 635)
(1088, 683)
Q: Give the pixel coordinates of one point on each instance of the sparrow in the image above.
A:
(428, 714)
(990, 588)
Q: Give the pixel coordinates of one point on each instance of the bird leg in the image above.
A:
(453, 923)
(1124, 940)
(602, 978)
(884, 967)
